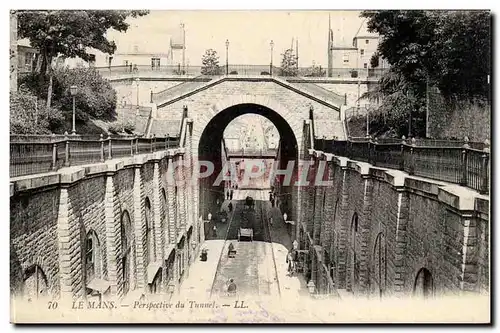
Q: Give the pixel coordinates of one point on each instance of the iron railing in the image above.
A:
(459, 162)
(53, 152)
(251, 152)
(177, 70)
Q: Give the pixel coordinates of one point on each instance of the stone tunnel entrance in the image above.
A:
(210, 149)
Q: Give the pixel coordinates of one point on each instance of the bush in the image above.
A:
(117, 128)
(96, 98)
(29, 114)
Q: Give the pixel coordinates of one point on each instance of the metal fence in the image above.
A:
(251, 152)
(53, 153)
(236, 69)
(460, 162)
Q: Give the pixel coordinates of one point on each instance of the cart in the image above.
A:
(243, 232)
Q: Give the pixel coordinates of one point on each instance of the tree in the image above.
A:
(210, 63)
(289, 63)
(70, 33)
(95, 99)
(29, 114)
(315, 71)
(448, 49)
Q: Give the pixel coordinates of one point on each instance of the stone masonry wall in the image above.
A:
(51, 216)
(33, 237)
(407, 228)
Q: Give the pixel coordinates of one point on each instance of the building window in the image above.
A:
(126, 239)
(367, 41)
(92, 257)
(149, 233)
(365, 65)
(345, 58)
(362, 52)
(92, 60)
(155, 63)
(34, 283)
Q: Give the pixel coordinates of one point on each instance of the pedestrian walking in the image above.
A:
(214, 231)
(285, 217)
(231, 196)
(227, 195)
(231, 288)
(230, 207)
(209, 216)
(271, 220)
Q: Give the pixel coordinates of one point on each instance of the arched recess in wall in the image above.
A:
(424, 284)
(164, 218)
(127, 241)
(380, 265)
(354, 261)
(35, 284)
(150, 232)
(334, 241)
(93, 261)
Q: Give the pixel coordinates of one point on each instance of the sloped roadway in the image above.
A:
(253, 268)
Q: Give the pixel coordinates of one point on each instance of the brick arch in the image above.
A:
(293, 119)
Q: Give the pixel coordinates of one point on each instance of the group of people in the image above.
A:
(222, 215)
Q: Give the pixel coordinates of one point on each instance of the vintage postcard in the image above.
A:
(250, 166)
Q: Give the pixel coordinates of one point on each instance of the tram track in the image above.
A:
(254, 266)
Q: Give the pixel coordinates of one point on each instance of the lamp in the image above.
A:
(271, 67)
(137, 80)
(227, 52)
(193, 245)
(73, 90)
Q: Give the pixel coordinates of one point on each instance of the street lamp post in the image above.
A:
(137, 80)
(271, 66)
(73, 90)
(227, 59)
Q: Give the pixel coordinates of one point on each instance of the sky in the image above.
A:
(249, 34)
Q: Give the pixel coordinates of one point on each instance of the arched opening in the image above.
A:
(164, 219)
(150, 232)
(379, 261)
(424, 284)
(93, 262)
(210, 149)
(333, 251)
(34, 283)
(354, 260)
(127, 240)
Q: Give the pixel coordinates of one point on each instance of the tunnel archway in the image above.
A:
(209, 147)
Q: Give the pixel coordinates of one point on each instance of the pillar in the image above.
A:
(171, 200)
(139, 226)
(113, 235)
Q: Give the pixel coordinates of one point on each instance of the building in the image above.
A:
(354, 56)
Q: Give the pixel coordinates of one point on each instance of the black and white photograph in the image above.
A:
(250, 166)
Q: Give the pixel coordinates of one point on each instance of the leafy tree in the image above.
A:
(30, 115)
(95, 98)
(289, 63)
(70, 33)
(315, 71)
(448, 49)
(210, 63)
